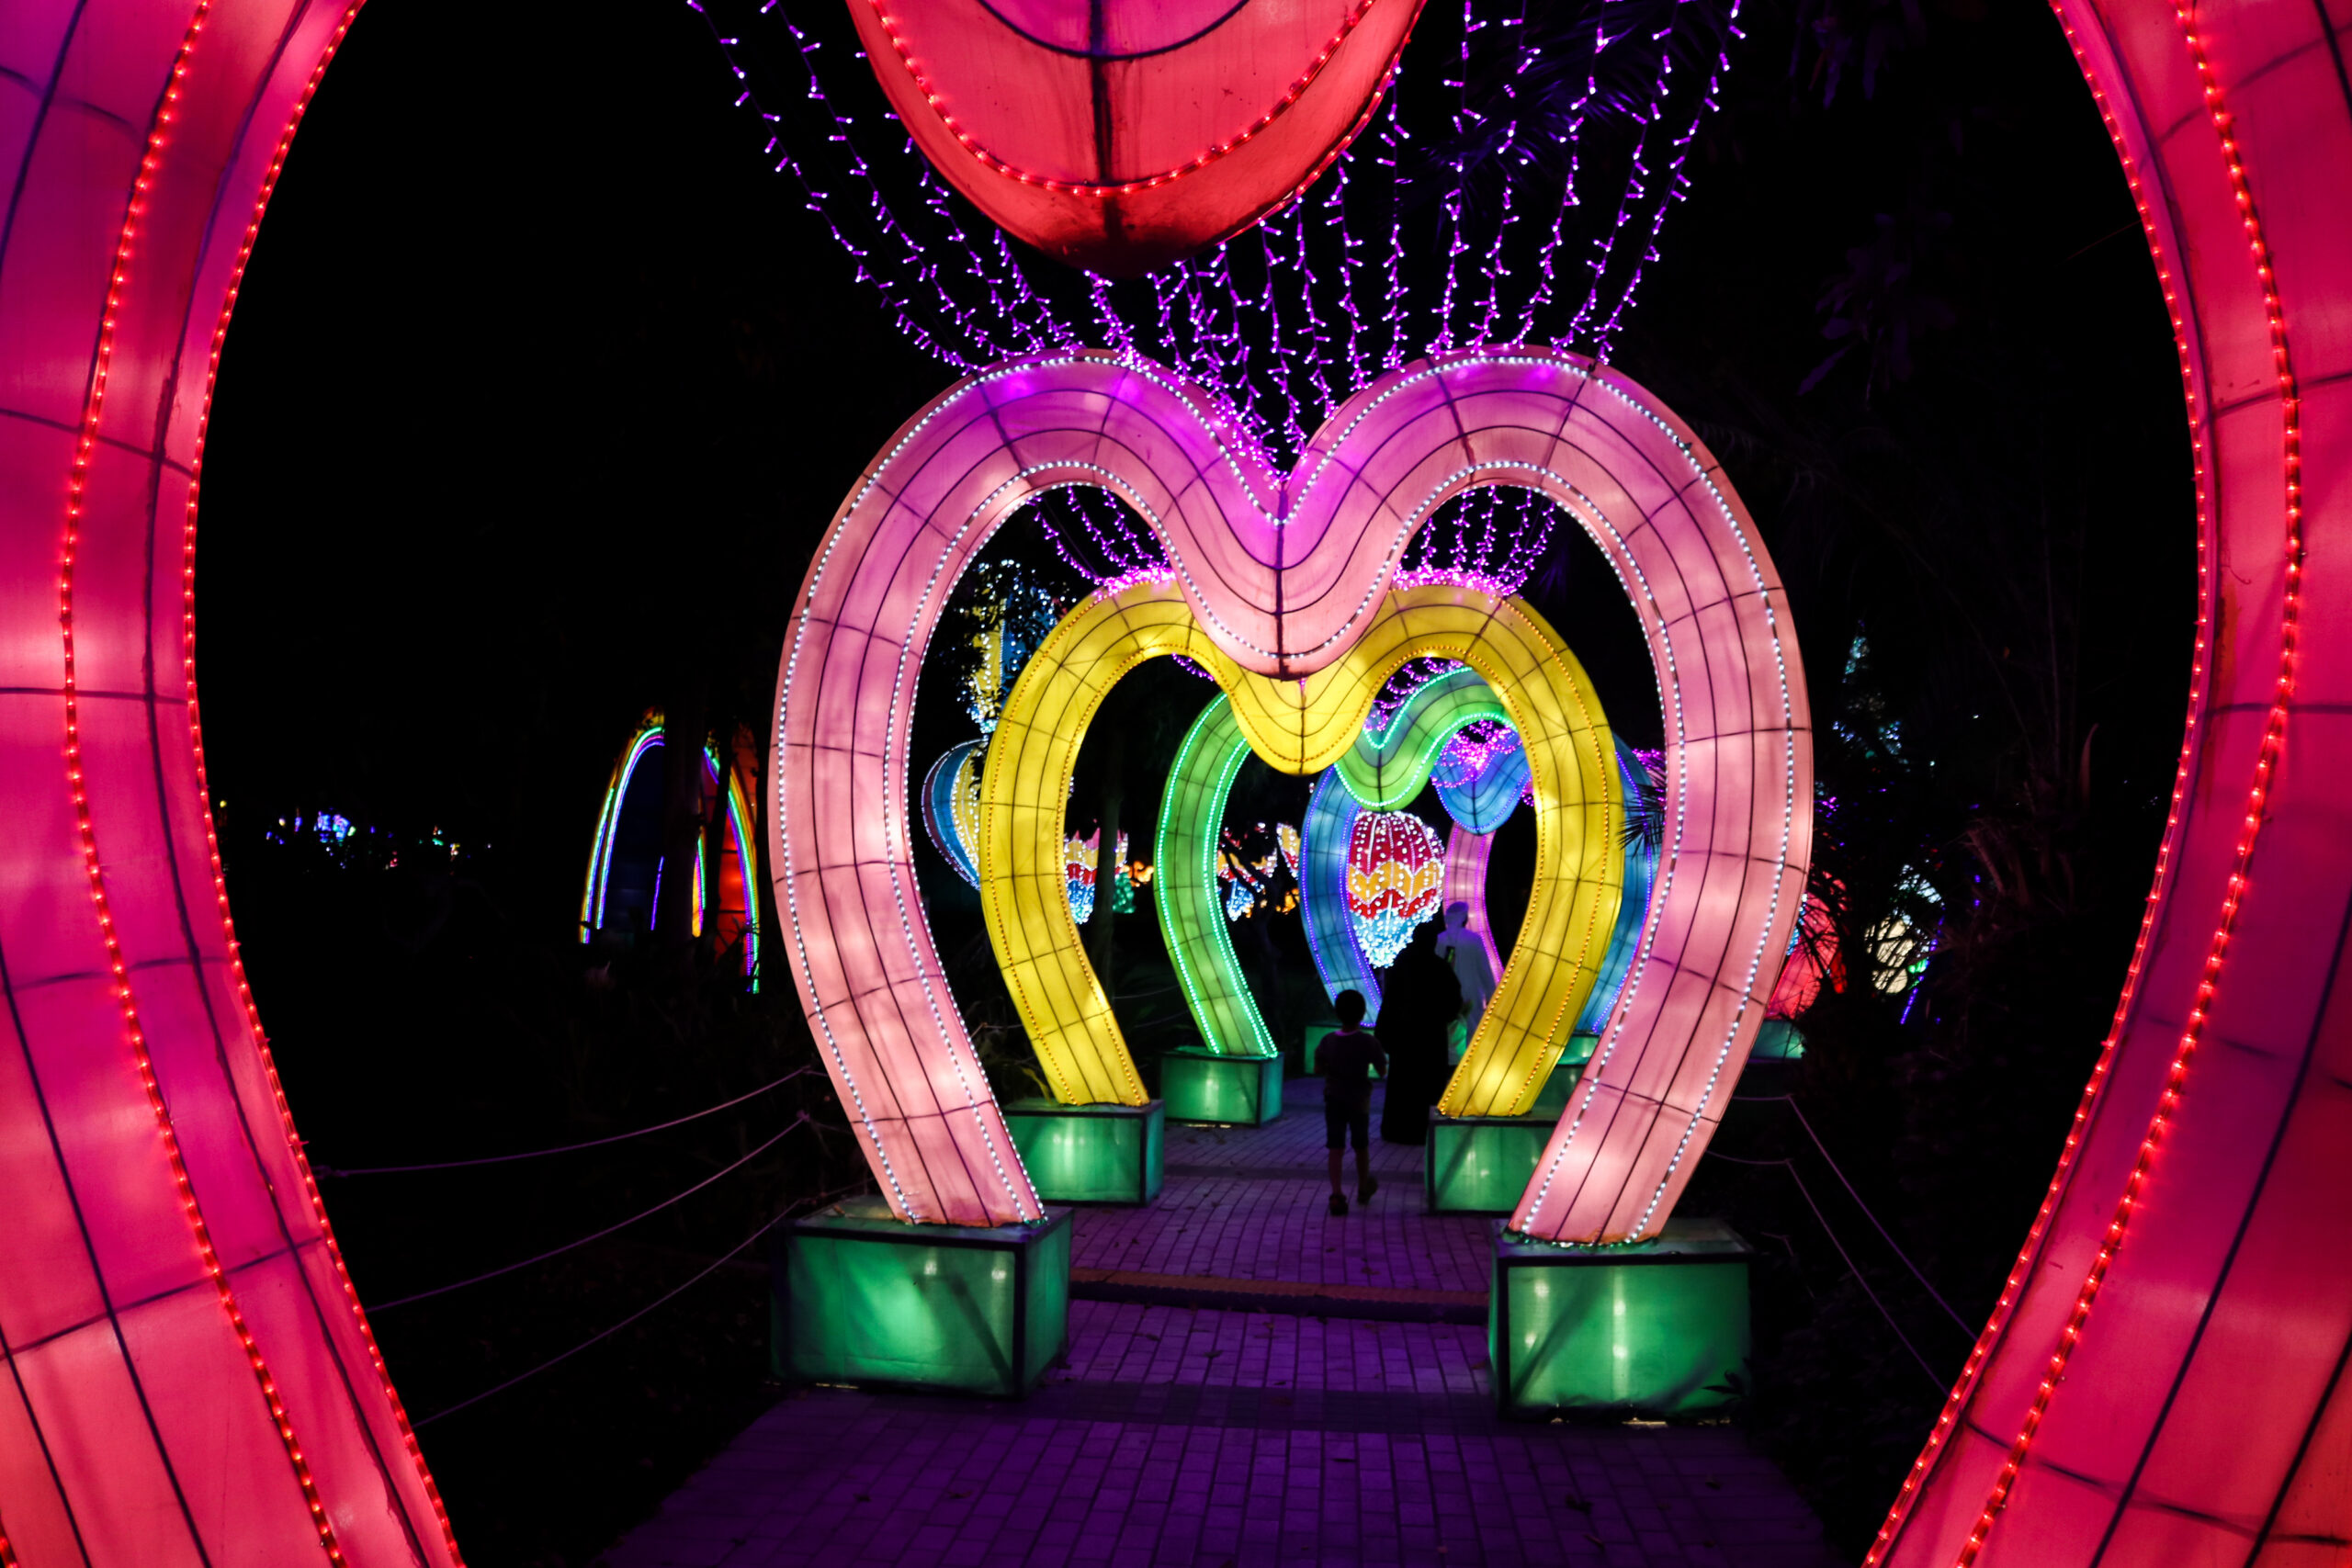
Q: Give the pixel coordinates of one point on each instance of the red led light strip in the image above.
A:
(2266, 766)
(93, 411)
(1297, 90)
(204, 789)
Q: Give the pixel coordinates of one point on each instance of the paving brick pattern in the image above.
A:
(1230, 1438)
(1252, 1203)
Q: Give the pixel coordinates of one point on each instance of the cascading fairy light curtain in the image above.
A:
(1512, 188)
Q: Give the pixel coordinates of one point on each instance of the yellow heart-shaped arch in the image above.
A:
(1303, 726)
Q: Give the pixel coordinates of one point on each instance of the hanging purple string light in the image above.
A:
(1443, 226)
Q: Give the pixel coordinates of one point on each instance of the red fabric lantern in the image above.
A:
(1395, 875)
(1123, 134)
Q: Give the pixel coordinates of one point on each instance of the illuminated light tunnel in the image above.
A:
(1385, 769)
(1298, 727)
(1479, 793)
(2197, 1406)
(1737, 744)
(623, 893)
(1124, 137)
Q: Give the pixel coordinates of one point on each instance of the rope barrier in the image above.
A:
(566, 1148)
(599, 1236)
(716, 1264)
(1807, 1193)
(1789, 1100)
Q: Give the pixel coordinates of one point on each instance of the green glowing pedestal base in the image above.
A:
(1658, 1328)
(1230, 1091)
(1552, 1101)
(863, 1298)
(1480, 1165)
(1089, 1154)
(1315, 1034)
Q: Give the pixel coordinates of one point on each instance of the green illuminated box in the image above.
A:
(1657, 1328)
(1089, 1154)
(1230, 1091)
(1479, 1165)
(1552, 1100)
(1315, 1034)
(1778, 1041)
(863, 1298)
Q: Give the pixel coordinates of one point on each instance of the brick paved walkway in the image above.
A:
(1177, 1435)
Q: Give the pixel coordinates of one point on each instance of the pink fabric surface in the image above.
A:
(1284, 572)
(1124, 136)
(2164, 1378)
(188, 1377)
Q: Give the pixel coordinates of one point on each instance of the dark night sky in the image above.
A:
(469, 502)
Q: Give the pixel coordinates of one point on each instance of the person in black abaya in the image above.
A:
(1419, 997)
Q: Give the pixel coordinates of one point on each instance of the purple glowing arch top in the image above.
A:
(189, 1376)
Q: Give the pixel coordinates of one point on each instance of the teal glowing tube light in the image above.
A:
(1192, 811)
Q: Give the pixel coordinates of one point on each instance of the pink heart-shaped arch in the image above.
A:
(1284, 573)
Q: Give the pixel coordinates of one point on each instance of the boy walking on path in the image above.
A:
(1348, 1056)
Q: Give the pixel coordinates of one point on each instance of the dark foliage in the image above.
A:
(1979, 499)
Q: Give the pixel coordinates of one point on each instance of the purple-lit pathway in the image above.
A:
(1220, 1435)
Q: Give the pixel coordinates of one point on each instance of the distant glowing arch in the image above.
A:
(1300, 728)
(1383, 771)
(721, 900)
(1284, 574)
